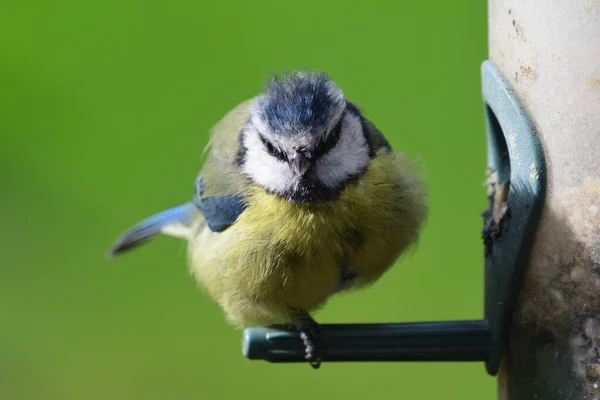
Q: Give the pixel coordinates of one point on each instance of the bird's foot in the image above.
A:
(314, 339)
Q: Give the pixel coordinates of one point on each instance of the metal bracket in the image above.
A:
(516, 156)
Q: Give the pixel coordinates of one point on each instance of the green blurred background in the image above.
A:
(104, 110)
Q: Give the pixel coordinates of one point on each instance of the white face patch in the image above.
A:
(348, 157)
(264, 169)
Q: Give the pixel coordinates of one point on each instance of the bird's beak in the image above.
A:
(300, 164)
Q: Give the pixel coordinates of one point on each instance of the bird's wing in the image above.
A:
(176, 221)
(219, 195)
(220, 186)
(376, 139)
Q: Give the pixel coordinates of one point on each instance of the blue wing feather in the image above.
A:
(220, 212)
(218, 193)
(149, 227)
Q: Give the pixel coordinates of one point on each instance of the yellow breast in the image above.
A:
(279, 256)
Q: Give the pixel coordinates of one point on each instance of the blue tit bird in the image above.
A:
(300, 197)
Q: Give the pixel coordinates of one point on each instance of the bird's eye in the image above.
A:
(273, 150)
(270, 147)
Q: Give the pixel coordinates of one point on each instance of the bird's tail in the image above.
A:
(177, 221)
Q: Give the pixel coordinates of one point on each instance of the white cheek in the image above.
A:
(258, 124)
(350, 156)
(264, 169)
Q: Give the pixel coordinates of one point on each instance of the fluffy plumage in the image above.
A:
(280, 256)
(300, 197)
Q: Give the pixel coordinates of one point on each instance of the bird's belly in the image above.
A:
(280, 256)
(260, 278)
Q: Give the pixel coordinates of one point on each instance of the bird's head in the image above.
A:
(303, 140)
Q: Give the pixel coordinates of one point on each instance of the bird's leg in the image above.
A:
(312, 335)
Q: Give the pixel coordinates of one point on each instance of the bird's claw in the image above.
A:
(314, 339)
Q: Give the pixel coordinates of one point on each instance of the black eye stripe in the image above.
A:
(331, 140)
(273, 150)
(322, 148)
